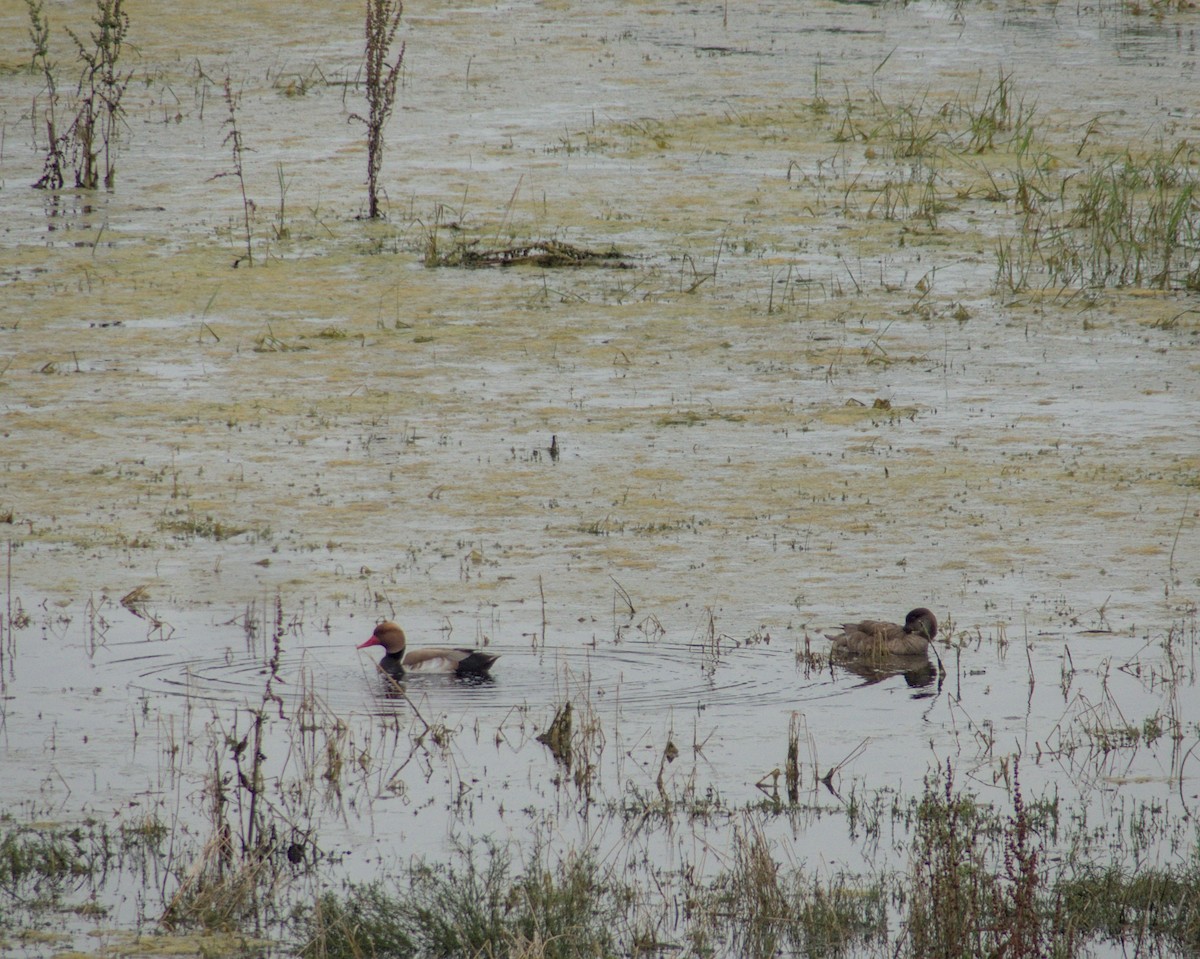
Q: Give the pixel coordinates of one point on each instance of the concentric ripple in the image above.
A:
(637, 678)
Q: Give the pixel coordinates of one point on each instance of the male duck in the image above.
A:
(464, 662)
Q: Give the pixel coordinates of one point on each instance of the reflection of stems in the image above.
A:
(624, 596)
(542, 593)
(253, 784)
(836, 768)
(791, 768)
(8, 623)
(1175, 542)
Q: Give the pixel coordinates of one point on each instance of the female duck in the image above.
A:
(464, 662)
(874, 638)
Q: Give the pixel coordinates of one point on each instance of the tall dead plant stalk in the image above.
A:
(233, 139)
(59, 143)
(383, 22)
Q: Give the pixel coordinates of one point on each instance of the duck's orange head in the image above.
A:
(389, 636)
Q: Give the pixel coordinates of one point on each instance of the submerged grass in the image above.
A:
(38, 863)
(478, 906)
(44, 867)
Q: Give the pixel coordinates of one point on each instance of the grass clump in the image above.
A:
(47, 868)
(187, 525)
(761, 909)
(1111, 903)
(41, 863)
(1133, 222)
(473, 907)
(367, 922)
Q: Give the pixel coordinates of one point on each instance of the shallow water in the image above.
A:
(360, 437)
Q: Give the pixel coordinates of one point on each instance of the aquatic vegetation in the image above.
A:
(998, 112)
(1119, 904)
(968, 899)
(38, 864)
(474, 906)
(548, 254)
(52, 177)
(1123, 221)
(1136, 222)
(186, 524)
(1036, 878)
(49, 868)
(101, 89)
(978, 882)
(760, 908)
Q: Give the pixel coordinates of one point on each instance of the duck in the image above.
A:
(462, 662)
(875, 638)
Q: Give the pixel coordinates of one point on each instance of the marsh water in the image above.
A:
(801, 395)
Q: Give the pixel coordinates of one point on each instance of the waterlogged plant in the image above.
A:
(41, 863)
(1136, 223)
(759, 908)
(89, 141)
(383, 73)
(56, 156)
(231, 881)
(101, 87)
(62, 867)
(1119, 904)
(999, 116)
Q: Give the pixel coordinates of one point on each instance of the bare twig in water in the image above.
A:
(624, 597)
(833, 770)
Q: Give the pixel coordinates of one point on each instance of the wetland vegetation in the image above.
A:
(964, 876)
(803, 318)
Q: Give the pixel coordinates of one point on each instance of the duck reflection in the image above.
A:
(398, 689)
(919, 671)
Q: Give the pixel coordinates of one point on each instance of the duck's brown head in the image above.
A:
(389, 636)
(922, 622)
